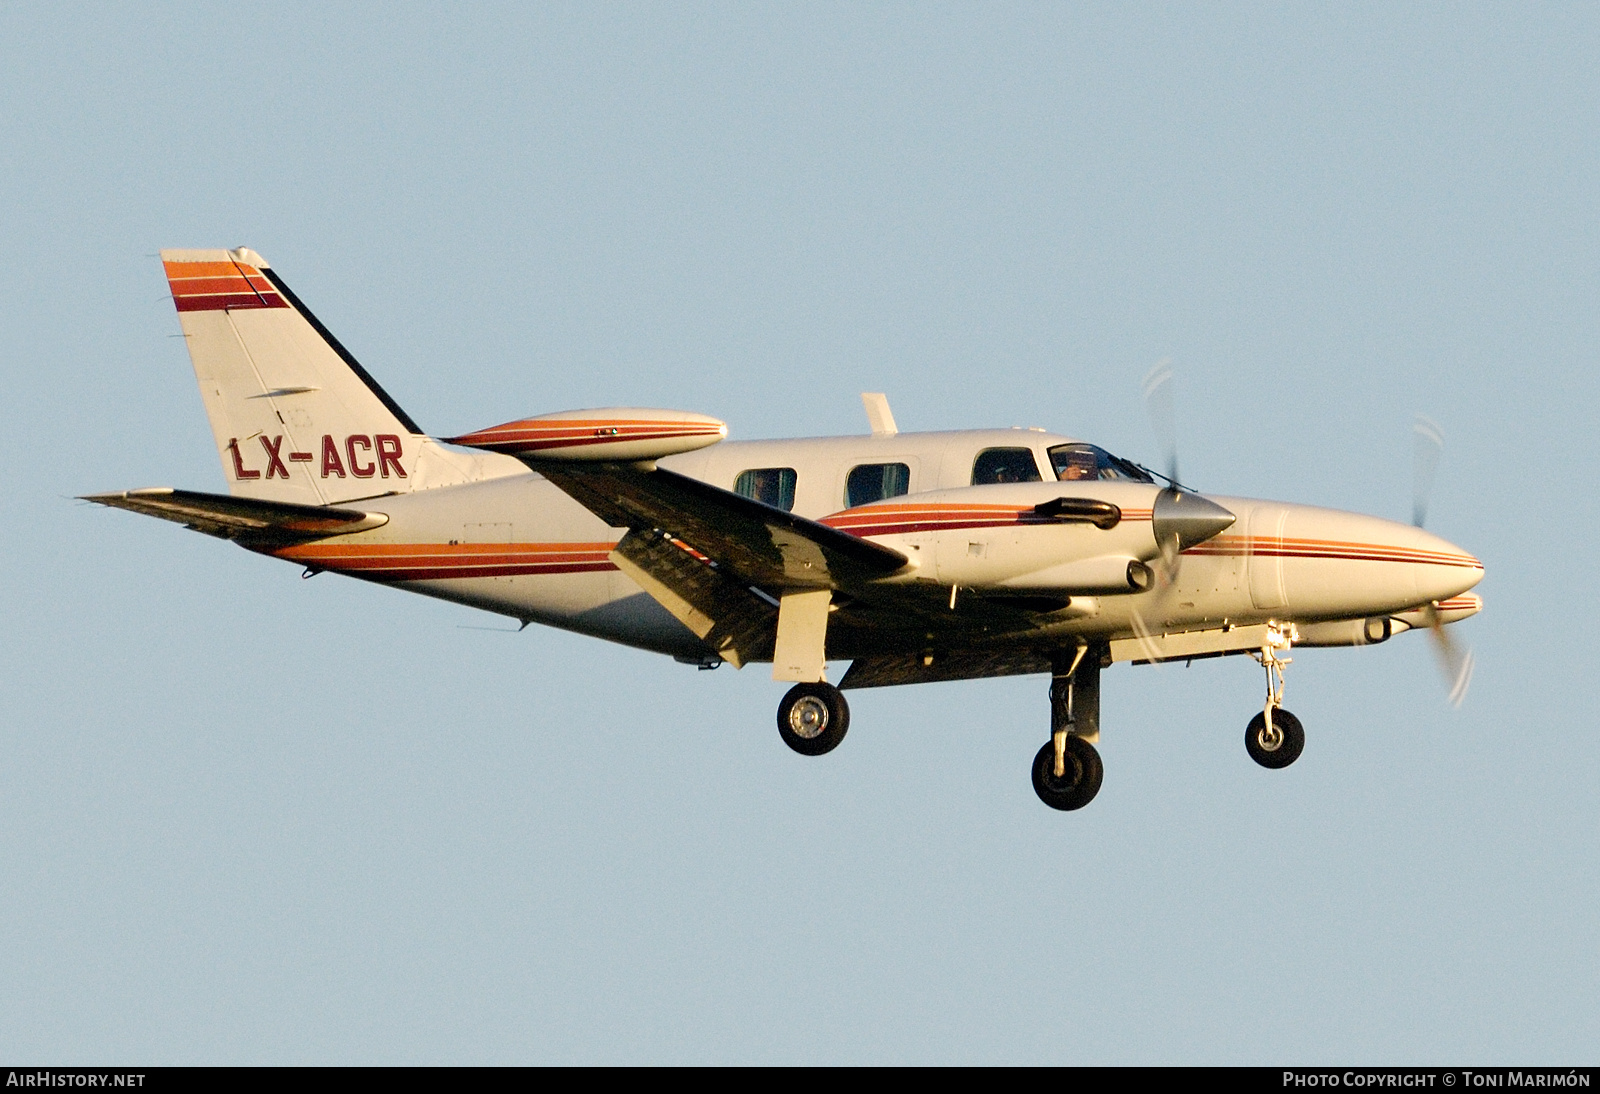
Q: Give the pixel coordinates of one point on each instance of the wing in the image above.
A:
(748, 541)
(743, 576)
(721, 562)
(251, 521)
(737, 623)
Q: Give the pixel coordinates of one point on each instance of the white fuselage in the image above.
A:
(516, 545)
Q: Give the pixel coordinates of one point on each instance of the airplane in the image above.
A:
(917, 557)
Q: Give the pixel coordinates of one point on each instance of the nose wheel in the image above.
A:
(813, 718)
(1276, 745)
(1275, 738)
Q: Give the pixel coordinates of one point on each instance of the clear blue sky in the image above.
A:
(257, 819)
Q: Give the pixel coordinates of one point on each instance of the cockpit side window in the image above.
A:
(1078, 462)
(871, 482)
(1004, 465)
(771, 485)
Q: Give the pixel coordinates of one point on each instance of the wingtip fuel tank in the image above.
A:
(610, 433)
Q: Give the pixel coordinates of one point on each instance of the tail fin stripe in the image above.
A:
(216, 286)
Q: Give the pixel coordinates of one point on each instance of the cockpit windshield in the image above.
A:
(1077, 462)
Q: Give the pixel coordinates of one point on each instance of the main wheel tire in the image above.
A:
(1280, 749)
(1079, 785)
(813, 718)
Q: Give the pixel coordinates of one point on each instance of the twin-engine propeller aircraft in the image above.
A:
(915, 556)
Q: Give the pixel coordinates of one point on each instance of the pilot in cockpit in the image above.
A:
(1080, 463)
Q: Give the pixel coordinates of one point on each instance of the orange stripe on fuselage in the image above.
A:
(1289, 547)
(882, 520)
(440, 561)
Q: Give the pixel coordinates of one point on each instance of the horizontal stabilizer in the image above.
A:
(232, 517)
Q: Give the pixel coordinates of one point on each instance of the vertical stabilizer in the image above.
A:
(295, 417)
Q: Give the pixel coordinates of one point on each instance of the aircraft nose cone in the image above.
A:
(1188, 518)
(1444, 570)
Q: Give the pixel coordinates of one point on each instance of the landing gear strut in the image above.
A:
(1067, 770)
(1274, 738)
(813, 718)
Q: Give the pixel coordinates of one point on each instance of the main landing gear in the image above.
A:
(1274, 738)
(813, 718)
(1067, 776)
(1067, 770)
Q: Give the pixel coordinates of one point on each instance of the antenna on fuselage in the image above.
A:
(879, 416)
(1157, 388)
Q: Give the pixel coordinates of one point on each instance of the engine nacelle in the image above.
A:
(609, 434)
(1346, 632)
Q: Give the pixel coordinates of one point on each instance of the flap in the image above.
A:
(727, 616)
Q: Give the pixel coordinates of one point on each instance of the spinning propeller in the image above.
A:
(1157, 389)
(1183, 518)
(1180, 518)
(1454, 659)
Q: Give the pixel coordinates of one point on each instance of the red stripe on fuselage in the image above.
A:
(1270, 547)
(883, 520)
(445, 561)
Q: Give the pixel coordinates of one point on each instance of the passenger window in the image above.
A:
(876, 481)
(1005, 465)
(771, 485)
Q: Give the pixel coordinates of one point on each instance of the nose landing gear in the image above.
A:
(1275, 738)
(1277, 744)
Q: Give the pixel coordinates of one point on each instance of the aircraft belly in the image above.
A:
(601, 605)
(515, 546)
(546, 598)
